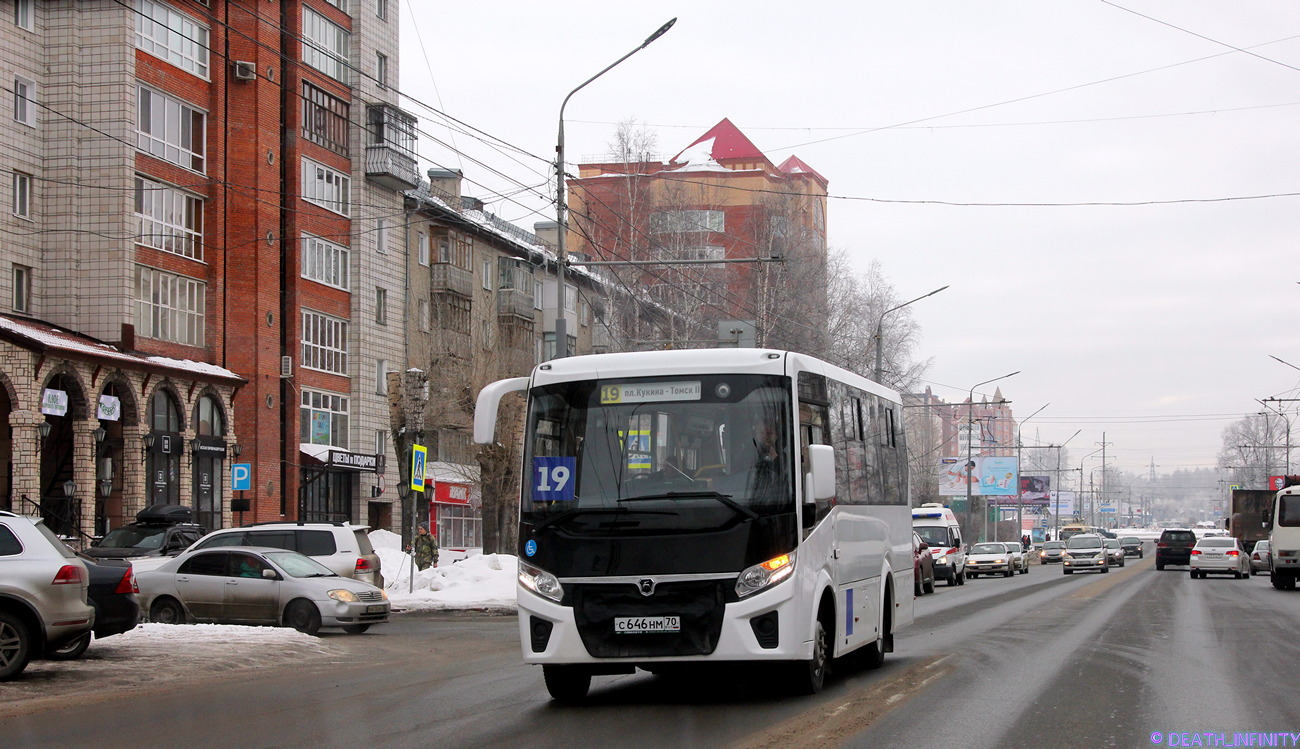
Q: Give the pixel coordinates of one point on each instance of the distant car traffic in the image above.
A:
(1114, 551)
(1085, 552)
(989, 558)
(922, 565)
(252, 585)
(1260, 560)
(1132, 546)
(1052, 552)
(1219, 554)
(42, 593)
(1019, 558)
(1174, 547)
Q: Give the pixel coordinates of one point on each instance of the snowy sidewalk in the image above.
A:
(485, 581)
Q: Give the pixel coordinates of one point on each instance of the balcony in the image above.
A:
(390, 152)
(514, 303)
(390, 167)
(449, 278)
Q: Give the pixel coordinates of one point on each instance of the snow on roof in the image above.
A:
(47, 336)
(796, 165)
(725, 141)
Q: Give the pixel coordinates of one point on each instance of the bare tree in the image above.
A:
(1248, 451)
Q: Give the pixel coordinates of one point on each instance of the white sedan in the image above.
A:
(989, 558)
(1219, 554)
(254, 585)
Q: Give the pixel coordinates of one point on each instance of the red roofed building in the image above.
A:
(719, 198)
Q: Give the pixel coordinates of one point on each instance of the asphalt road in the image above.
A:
(1038, 660)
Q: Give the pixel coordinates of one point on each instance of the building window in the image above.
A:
(24, 14)
(422, 248)
(323, 419)
(24, 101)
(325, 119)
(538, 289)
(453, 313)
(340, 4)
(168, 219)
(381, 377)
(381, 442)
(485, 333)
(22, 195)
(170, 129)
(570, 298)
(22, 279)
(381, 306)
(381, 9)
(325, 45)
(487, 275)
(324, 262)
(381, 236)
(677, 222)
(324, 343)
(381, 69)
(422, 314)
(169, 307)
(327, 188)
(166, 33)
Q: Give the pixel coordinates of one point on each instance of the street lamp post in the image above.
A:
(1287, 470)
(561, 207)
(970, 433)
(1020, 490)
(880, 362)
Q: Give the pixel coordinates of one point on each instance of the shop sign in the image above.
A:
(54, 402)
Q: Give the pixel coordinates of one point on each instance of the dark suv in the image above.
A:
(1174, 547)
(158, 531)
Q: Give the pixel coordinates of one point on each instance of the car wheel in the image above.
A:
(961, 577)
(167, 611)
(70, 651)
(929, 585)
(15, 646)
(355, 629)
(1105, 569)
(952, 578)
(1009, 572)
(1160, 565)
(566, 683)
(302, 616)
(916, 589)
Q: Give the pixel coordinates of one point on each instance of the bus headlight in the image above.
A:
(540, 582)
(765, 575)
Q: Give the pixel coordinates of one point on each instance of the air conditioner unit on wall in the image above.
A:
(286, 366)
(244, 70)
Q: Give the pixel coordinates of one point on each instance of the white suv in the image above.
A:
(43, 587)
(343, 547)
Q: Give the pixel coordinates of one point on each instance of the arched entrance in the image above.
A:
(208, 451)
(116, 408)
(62, 404)
(162, 444)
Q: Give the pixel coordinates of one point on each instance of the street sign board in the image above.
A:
(418, 455)
(241, 477)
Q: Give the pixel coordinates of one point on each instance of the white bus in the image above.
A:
(707, 506)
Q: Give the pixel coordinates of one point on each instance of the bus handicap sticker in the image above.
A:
(553, 478)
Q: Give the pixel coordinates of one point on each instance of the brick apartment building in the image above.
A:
(719, 198)
(201, 257)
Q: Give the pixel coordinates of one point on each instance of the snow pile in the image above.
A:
(208, 640)
(482, 581)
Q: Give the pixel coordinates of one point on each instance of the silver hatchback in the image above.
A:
(251, 585)
(43, 588)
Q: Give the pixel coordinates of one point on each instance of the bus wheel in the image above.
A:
(566, 683)
(810, 675)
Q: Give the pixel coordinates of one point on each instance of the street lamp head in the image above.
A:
(662, 30)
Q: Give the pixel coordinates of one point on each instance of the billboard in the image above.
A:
(1062, 505)
(988, 477)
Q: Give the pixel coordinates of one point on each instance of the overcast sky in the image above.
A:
(1114, 199)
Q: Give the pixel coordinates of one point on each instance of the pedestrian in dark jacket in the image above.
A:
(425, 547)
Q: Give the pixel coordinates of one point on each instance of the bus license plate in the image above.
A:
(638, 625)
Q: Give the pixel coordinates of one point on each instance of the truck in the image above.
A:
(1245, 519)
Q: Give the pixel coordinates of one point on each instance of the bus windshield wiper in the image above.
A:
(579, 511)
(720, 497)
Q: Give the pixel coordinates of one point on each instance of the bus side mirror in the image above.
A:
(821, 475)
(1268, 519)
(485, 409)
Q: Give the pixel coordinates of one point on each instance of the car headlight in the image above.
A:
(941, 560)
(999, 561)
(540, 582)
(340, 594)
(765, 575)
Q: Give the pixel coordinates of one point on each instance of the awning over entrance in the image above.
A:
(325, 456)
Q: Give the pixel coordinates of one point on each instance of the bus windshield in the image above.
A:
(634, 456)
